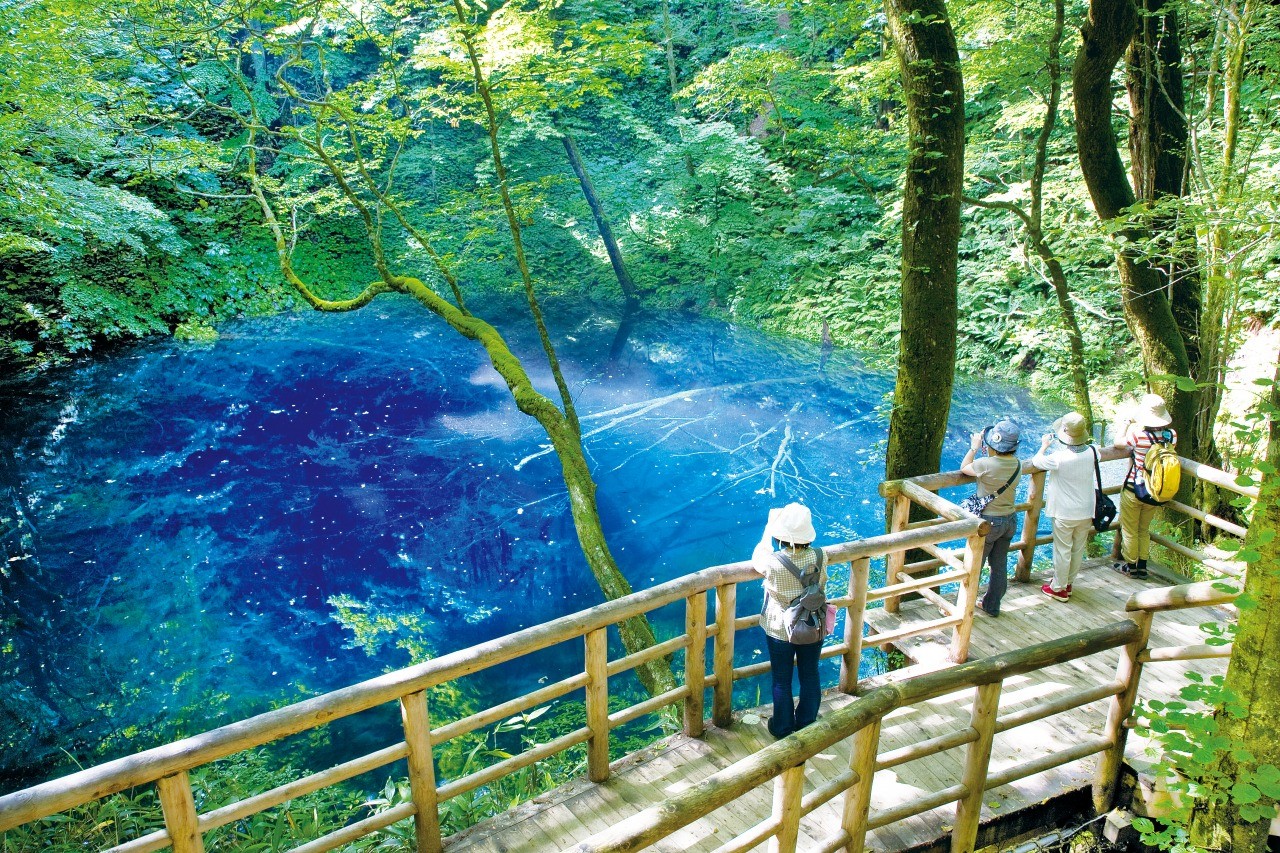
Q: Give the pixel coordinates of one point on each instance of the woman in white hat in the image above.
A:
(791, 529)
(1070, 499)
(1150, 425)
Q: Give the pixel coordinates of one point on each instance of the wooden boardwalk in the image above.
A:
(574, 812)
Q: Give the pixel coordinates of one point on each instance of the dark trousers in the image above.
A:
(783, 657)
(995, 552)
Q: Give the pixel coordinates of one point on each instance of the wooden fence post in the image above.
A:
(422, 771)
(857, 800)
(969, 809)
(967, 596)
(597, 667)
(894, 561)
(1128, 672)
(695, 662)
(787, 791)
(1030, 522)
(726, 615)
(854, 616)
(180, 816)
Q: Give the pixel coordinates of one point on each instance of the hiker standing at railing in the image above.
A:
(1149, 427)
(795, 579)
(997, 474)
(1070, 499)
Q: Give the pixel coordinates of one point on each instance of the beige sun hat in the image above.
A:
(1152, 412)
(1071, 430)
(793, 523)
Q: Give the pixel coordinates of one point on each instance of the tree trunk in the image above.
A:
(1105, 35)
(1218, 314)
(1158, 147)
(934, 94)
(602, 224)
(1253, 675)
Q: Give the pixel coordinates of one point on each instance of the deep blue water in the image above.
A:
(199, 531)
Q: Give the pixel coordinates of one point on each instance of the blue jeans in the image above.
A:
(782, 656)
(995, 553)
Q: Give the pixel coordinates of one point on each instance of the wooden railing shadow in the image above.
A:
(168, 767)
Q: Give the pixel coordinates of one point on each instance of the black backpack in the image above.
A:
(805, 617)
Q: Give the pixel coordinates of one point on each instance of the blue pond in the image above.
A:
(194, 533)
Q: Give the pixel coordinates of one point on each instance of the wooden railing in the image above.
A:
(922, 492)
(168, 766)
(784, 762)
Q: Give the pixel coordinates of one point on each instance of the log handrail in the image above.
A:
(168, 765)
(182, 756)
(923, 491)
(727, 785)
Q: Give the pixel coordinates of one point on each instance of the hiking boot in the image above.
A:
(1063, 595)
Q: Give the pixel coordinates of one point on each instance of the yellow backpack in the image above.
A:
(1161, 469)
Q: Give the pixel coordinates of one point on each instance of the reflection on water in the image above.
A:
(195, 532)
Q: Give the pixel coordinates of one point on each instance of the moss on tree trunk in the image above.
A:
(934, 97)
(1253, 675)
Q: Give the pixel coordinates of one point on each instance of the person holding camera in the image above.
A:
(1070, 499)
(997, 472)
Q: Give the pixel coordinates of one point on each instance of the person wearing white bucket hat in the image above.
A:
(1148, 425)
(1070, 499)
(791, 528)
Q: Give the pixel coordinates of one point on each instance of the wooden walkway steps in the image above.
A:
(572, 813)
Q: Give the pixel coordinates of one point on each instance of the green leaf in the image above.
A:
(1243, 793)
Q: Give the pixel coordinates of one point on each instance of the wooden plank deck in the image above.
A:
(575, 811)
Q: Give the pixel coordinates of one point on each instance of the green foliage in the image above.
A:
(128, 815)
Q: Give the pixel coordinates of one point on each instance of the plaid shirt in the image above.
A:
(780, 586)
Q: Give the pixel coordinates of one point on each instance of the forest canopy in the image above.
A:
(747, 158)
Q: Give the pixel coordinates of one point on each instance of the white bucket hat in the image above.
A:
(1070, 429)
(1152, 411)
(793, 523)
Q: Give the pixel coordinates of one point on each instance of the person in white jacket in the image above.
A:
(1070, 499)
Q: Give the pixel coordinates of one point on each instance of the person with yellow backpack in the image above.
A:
(1153, 479)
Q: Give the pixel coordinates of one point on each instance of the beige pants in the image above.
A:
(1135, 527)
(1069, 539)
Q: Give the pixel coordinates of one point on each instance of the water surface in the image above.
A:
(194, 533)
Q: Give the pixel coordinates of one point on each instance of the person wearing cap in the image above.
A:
(1150, 424)
(1069, 499)
(791, 530)
(997, 473)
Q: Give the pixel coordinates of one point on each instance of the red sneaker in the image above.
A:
(1062, 595)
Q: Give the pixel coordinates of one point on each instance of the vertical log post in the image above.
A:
(1030, 523)
(857, 800)
(854, 616)
(695, 662)
(597, 652)
(787, 792)
(969, 810)
(180, 817)
(894, 561)
(422, 771)
(967, 595)
(726, 614)
(1128, 672)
